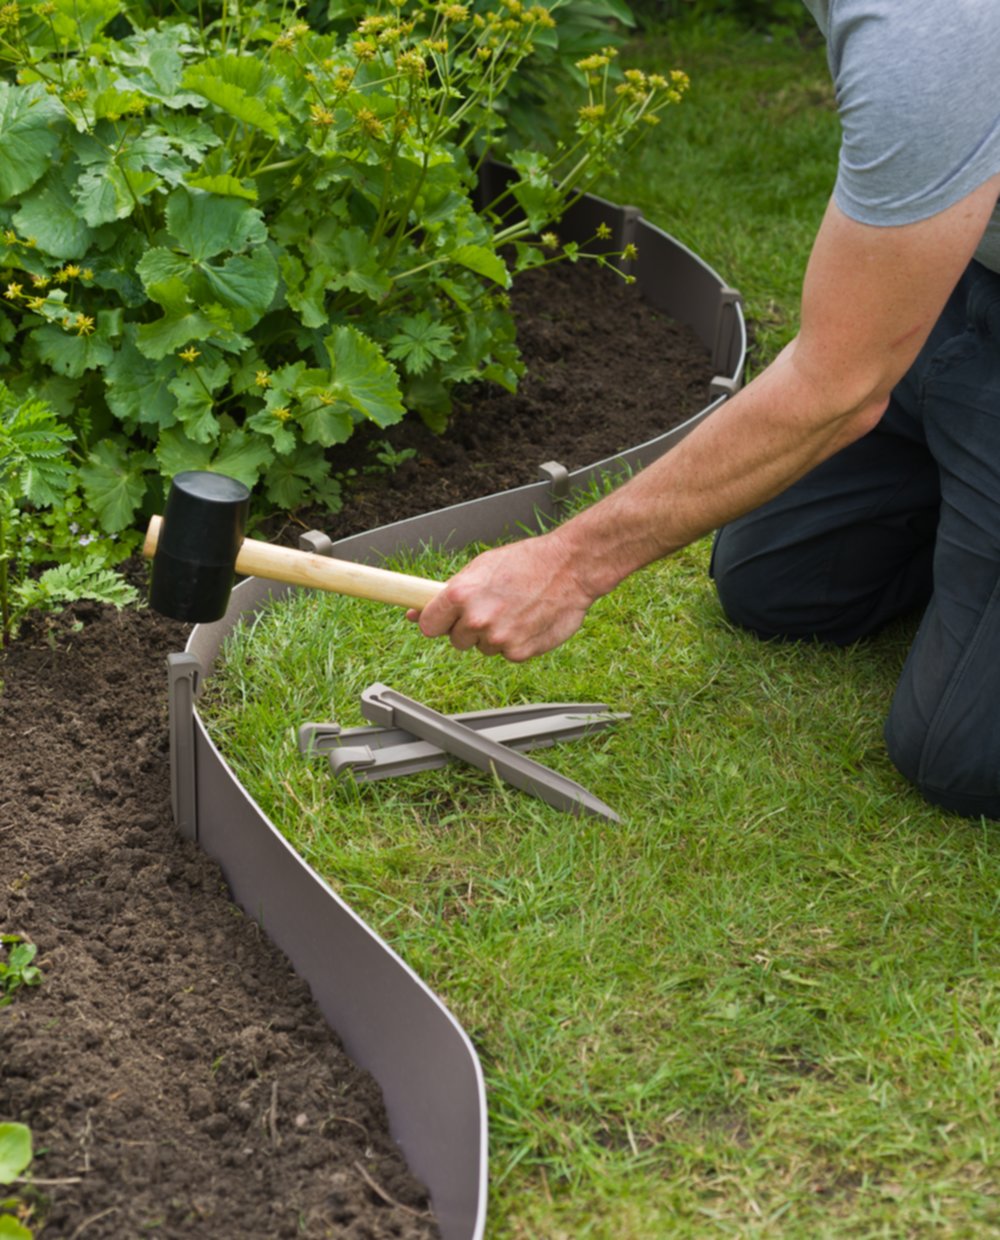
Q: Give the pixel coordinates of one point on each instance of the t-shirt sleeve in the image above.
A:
(918, 94)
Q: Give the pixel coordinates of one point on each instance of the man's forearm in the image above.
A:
(756, 445)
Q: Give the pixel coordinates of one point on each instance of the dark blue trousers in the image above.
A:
(907, 517)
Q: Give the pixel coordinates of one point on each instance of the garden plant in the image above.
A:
(230, 236)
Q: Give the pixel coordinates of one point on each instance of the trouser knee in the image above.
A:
(960, 777)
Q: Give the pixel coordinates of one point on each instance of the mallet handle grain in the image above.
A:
(320, 572)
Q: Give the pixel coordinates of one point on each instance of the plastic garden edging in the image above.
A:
(388, 1019)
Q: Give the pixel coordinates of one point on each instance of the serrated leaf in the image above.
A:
(135, 389)
(154, 65)
(160, 266)
(68, 353)
(303, 474)
(362, 377)
(245, 283)
(90, 579)
(238, 454)
(420, 342)
(277, 430)
(105, 193)
(48, 213)
(28, 136)
(114, 484)
(194, 388)
(181, 322)
(356, 265)
(304, 293)
(206, 224)
(235, 84)
(483, 262)
(323, 423)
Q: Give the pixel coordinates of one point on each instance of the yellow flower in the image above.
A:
(13, 291)
(190, 354)
(369, 123)
(592, 112)
(86, 274)
(549, 240)
(262, 379)
(10, 236)
(320, 116)
(84, 324)
(71, 270)
(282, 413)
(37, 304)
(630, 251)
(40, 281)
(603, 231)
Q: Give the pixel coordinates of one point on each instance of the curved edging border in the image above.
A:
(388, 1019)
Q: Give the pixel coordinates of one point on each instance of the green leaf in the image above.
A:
(246, 284)
(420, 342)
(235, 84)
(483, 262)
(362, 377)
(159, 266)
(15, 1151)
(11, 1229)
(135, 388)
(28, 136)
(106, 193)
(206, 224)
(224, 183)
(194, 388)
(48, 213)
(114, 483)
(181, 322)
(71, 354)
(357, 265)
(278, 430)
(239, 454)
(76, 23)
(33, 450)
(64, 584)
(154, 65)
(302, 475)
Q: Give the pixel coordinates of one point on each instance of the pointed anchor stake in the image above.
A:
(382, 705)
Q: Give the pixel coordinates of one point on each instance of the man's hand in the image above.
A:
(518, 600)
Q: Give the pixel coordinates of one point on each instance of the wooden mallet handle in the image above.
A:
(320, 572)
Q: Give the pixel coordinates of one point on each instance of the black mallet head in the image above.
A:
(194, 564)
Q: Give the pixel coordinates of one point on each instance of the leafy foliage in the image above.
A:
(16, 971)
(36, 473)
(229, 237)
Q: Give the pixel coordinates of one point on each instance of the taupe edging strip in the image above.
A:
(388, 1019)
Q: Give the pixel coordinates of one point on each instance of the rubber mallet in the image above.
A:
(198, 547)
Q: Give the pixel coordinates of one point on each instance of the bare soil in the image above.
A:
(176, 1075)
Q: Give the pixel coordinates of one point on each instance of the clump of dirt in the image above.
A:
(175, 1072)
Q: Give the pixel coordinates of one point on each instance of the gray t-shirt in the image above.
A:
(918, 94)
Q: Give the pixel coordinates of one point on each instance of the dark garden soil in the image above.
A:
(178, 1080)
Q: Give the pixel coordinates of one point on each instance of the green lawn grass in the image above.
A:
(765, 1003)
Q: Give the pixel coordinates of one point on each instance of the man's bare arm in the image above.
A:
(870, 298)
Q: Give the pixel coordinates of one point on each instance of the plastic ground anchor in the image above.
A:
(557, 477)
(384, 706)
(184, 673)
(727, 324)
(316, 542)
(369, 753)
